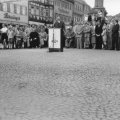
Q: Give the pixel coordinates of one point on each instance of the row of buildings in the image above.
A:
(42, 11)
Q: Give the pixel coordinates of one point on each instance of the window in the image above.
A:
(18, 9)
(47, 12)
(8, 7)
(51, 12)
(1, 7)
(24, 10)
(12, 8)
(32, 10)
(37, 11)
(5, 7)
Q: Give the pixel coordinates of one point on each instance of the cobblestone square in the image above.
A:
(72, 85)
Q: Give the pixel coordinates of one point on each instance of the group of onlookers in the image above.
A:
(19, 36)
(83, 35)
(97, 35)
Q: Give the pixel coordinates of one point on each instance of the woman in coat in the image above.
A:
(98, 34)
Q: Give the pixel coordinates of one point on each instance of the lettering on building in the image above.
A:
(6, 15)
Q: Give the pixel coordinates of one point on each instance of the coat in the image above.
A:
(115, 30)
(61, 25)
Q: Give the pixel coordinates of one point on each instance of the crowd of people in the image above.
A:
(19, 36)
(94, 35)
(83, 35)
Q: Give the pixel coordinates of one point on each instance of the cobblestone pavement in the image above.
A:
(73, 85)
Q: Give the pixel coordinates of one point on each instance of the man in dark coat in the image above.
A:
(60, 24)
(34, 39)
(98, 32)
(115, 35)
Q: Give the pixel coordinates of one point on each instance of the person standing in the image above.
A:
(93, 40)
(60, 24)
(4, 36)
(79, 33)
(87, 31)
(10, 37)
(43, 37)
(115, 35)
(28, 30)
(98, 32)
(109, 35)
(104, 36)
(34, 39)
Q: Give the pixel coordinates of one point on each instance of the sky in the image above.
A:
(112, 6)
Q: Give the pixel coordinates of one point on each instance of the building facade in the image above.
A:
(64, 9)
(41, 12)
(81, 9)
(14, 12)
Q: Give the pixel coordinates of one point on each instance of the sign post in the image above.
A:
(54, 39)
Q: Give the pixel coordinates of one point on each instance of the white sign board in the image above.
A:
(55, 38)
